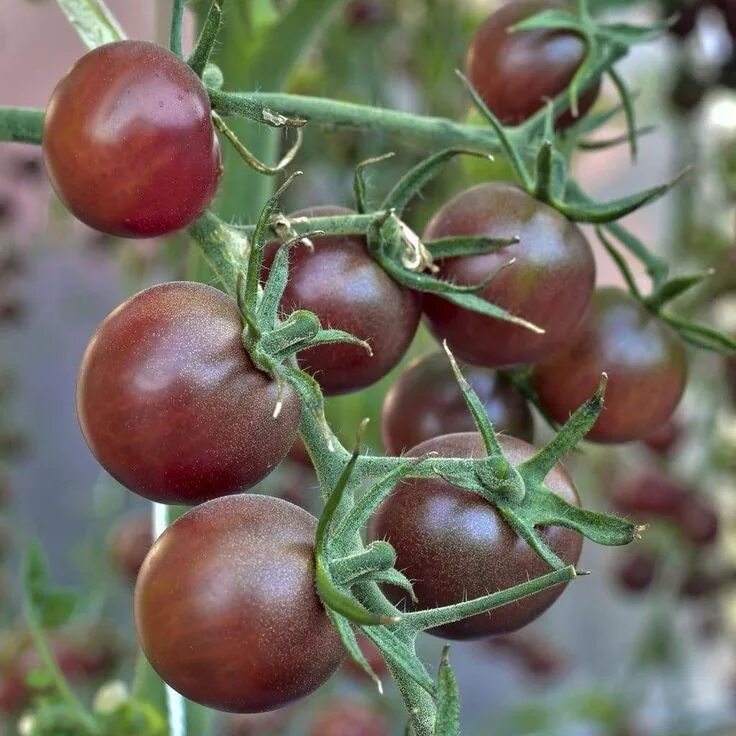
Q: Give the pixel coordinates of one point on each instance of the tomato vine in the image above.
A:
(350, 574)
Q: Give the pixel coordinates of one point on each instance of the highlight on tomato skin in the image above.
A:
(454, 545)
(549, 283)
(226, 607)
(643, 357)
(368, 304)
(171, 404)
(128, 141)
(517, 72)
(425, 401)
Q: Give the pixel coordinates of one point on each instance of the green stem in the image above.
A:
(21, 125)
(62, 687)
(437, 132)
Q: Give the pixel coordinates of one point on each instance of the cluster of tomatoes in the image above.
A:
(173, 407)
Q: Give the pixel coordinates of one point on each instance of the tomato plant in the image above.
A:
(171, 404)
(549, 283)
(518, 72)
(455, 545)
(226, 608)
(425, 402)
(128, 142)
(645, 362)
(192, 394)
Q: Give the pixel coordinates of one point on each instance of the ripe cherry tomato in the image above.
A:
(665, 439)
(170, 403)
(550, 283)
(643, 357)
(537, 656)
(130, 541)
(637, 572)
(649, 495)
(699, 522)
(517, 72)
(349, 291)
(226, 606)
(454, 546)
(128, 141)
(425, 401)
(349, 718)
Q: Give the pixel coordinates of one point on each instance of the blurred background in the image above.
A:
(644, 646)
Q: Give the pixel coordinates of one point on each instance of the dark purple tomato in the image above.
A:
(425, 401)
(699, 522)
(550, 283)
(683, 16)
(454, 546)
(349, 718)
(366, 13)
(128, 141)
(226, 606)
(170, 403)
(130, 541)
(643, 357)
(699, 583)
(349, 291)
(637, 572)
(665, 439)
(728, 9)
(517, 72)
(537, 656)
(649, 495)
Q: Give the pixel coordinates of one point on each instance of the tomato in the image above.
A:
(649, 495)
(517, 72)
(454, 546)
(170, 403)
(226, 606)
(699, 522)
(349, 291)
(425, 401)
(665, 439)
(128, 141)
(637, 572)
(349, 718)
(130, 541)
(643, 357)
(537, 656)
(550, 283)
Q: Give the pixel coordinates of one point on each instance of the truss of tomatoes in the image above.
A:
(172, 406)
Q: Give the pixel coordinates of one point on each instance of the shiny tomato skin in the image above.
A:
(643, 357)
(226, 606)
(170, 403)
(517, 72)
(425, 401)
(454, 546)
(550, 283)
(349, 291)
(128, 141)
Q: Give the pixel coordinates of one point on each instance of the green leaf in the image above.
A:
(468, 245)
(448, 700)
(93, 21)
(51, 607)
(350, 642)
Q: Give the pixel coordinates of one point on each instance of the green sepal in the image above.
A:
(448, 699)
(417, 178)
(467, 245)
(93, 21)
(350, 642)
(360, 188)
(200, 56)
